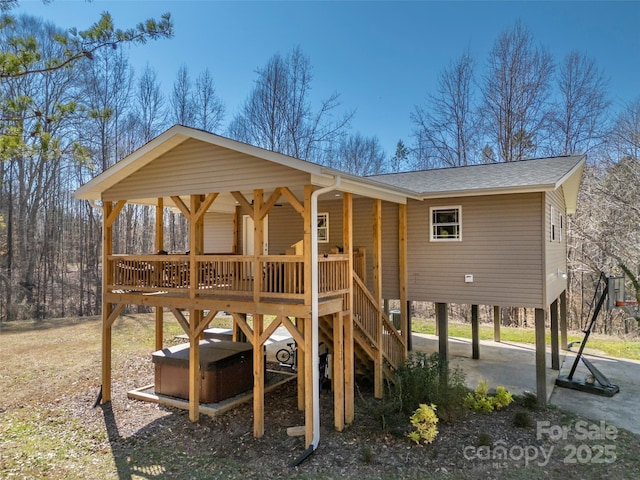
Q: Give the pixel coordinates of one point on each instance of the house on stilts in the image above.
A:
(320, 251)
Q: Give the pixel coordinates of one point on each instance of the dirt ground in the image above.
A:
(48, 428)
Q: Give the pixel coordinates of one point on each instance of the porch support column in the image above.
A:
(258, 377)
(496, 323)
(159, 246)
(107, 307)
(338, 371)
(555, 349)
(195, 316)
(300, 358)
(306, 372)
(475, 333)
(405, 321)
(258, 243)
(563, 321)
(442, 322)
(541, 357)
(377, 293)
(348, 355)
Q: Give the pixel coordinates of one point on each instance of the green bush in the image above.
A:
(424, 421)
(481, 401)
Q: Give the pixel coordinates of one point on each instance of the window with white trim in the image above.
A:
(553, 224)
(323, 227)
(445, 224)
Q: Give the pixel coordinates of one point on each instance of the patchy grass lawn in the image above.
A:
(613, 347)
(50, 378)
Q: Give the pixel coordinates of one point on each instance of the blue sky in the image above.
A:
(382, 57)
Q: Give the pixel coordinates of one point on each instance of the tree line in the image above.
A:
(72, 105)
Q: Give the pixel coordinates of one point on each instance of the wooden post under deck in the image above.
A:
(107, 307)
(258, 377)
(378, 384)
(475, 333)
(348, 355)
(541, 357)
(338, 371)
(159, 246)
(195, 316)
(307, 373)
(496, 323)
(555, 348)
(405, 321)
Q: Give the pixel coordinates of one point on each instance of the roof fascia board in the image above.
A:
(353, 185)
(571, 185)
(488, 191)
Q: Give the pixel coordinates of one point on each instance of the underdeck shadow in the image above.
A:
(119, 456)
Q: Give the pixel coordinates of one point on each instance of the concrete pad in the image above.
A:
(507, 364)
(620, 410)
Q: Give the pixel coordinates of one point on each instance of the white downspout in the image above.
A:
(315, 361)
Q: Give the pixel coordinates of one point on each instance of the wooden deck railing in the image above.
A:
(226, 275)
(367, 314)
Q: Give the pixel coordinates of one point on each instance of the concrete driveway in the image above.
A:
(513, 366)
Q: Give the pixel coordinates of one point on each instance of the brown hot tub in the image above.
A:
(226, 369)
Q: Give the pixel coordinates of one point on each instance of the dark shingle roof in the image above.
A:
(538, 174)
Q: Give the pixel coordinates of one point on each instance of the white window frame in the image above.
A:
(553, 225)
(323, 237)
(432, 225)
(561, 229)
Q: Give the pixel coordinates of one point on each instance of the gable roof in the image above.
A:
(525, 176)
(536, 175)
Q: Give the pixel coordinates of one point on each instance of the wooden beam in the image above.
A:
(301, 357)
(541, 357)
(258, 378)
(293, 201)
(563, 321)
(115, 313)
(293, 330)
(475, 333)
(244, 203)
(271, 328)
(555, 347)
(194, 365)
(271, 201)
(338, 371)
(107, 307)
(258, 243)
(205, 322)
(378, 385)
(241, 321)
(208, 201)
(159, 246)
(182, 207)
(496, 323)
(196, 239)
(306, 242)
(181, 319)
(347, 321)
(442, 312)
(403, 272)
(113, 214)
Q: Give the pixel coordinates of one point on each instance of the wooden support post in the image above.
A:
(541, 357)
(443, 330)
(348, 355)
(378, 385)
(475, 333)
(300, 356)
(563, 321)
(258, 377)
(496, 323)
(159, 246)
(194, 365)
(409, 327)
(308, 383)
(258, 243)
(107, 308)
(405, 313)
(338, 371)
(555, 348)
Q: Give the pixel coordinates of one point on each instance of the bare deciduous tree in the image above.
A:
(359, 155)
(516, 91)
(446, 125)
(209, 109)
(278, 115)
(181, 100)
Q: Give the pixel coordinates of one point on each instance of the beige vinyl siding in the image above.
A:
(501, 247)
(556, 251)
(196, 167)
(218, 233)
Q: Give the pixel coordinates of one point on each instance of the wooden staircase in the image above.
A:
(378, 347)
